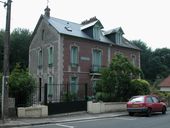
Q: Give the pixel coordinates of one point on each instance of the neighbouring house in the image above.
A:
(165, 84)
(67, 53)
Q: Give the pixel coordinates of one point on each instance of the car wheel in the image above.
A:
(149, 112)
(131, 114)
(164, 110)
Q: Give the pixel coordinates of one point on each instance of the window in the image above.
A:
(74, 56)
(97, 60)
(149, 100)
(137, 99)
(73, 85)
(40, 59)
(118, 38)
(42, 34)
(133, 59)
(50, 56)
(50, 86)
(96, 32)
(155, 99)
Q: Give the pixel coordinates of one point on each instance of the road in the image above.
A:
(138, 121)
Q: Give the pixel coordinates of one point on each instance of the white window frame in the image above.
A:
(95, 66)
(50, 56)
(74, 90)
(72, 57)
(40, 58)
(50, 85)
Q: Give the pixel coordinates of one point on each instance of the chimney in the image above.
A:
(47, 12)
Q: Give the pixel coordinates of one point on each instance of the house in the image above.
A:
(63, 52)
(165, 84)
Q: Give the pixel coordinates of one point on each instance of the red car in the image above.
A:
(145, 104)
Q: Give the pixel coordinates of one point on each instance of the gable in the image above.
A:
(165, 82)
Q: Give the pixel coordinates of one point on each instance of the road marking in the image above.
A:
(123, 118)
(66, 126)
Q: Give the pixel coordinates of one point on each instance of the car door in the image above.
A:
(157, 105)
(150, 103)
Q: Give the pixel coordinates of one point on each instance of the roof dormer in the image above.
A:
(115, 35)
(92, 28)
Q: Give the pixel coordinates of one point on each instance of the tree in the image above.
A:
(115, 80)
(154, 64)
(21, 85)
(19, 47)
(146, 56)
(20, 41)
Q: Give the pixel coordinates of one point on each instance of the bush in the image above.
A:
(106, 97)
(21, 86)
(114, 84)
(139, 87)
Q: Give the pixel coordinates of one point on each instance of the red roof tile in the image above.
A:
(165, 82)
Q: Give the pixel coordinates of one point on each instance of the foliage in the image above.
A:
(139, 87)
(19, 47)
(115, 80)
(21, 84)
(20, 41)
(69, 97)
(154, 64)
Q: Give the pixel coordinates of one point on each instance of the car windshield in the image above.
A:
(137, 99)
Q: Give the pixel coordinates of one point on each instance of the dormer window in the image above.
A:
(96, 32)
(118, 38)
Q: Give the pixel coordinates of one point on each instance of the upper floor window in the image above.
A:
(74, 56)
(96, 32)
(42, 34)
(40, 59)
(133, 59)
(118, 38)
(73, 85)
(50, 56)
(96, 60)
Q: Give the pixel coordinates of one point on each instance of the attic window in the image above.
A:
(96, 32)
(67, 27)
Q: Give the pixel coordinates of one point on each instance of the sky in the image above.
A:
(145, 20)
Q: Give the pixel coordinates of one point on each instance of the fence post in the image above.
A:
(86, 91)
(45, 94)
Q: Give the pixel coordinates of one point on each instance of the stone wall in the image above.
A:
(101, 107)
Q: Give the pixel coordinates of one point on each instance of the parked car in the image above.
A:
(145, 104)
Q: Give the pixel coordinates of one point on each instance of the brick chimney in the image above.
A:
(47, 11)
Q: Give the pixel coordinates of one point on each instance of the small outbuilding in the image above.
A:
(165, 84)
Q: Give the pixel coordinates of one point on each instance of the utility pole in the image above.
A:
(5, 78)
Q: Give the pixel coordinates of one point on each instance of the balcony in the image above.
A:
(95, 69)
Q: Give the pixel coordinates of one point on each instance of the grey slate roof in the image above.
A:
(113, 31)
(75, 29)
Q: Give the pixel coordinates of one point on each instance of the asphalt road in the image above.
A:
(138, 121)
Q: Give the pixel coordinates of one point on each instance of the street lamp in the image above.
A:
(4, 103)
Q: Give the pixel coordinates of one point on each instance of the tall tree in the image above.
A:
(20, 41)
(146, 56)
(19, 47)
(154, 64)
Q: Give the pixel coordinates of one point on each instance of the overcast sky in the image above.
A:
(147, 20)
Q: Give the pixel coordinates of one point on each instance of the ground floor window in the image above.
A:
(50, 86)
(73, 85)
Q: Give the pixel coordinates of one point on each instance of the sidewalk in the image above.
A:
(59, 118)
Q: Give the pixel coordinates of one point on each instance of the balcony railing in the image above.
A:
(96, 68)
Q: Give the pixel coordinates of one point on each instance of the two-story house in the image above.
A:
(64, 52)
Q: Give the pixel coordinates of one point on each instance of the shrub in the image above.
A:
(21, 86)
(139, 87)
